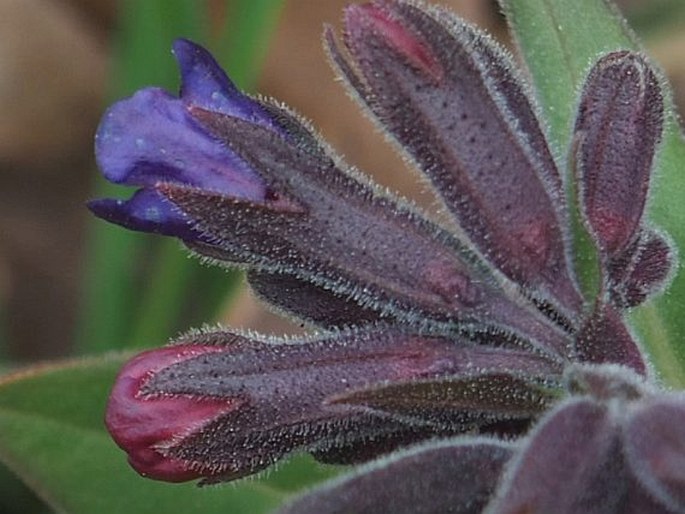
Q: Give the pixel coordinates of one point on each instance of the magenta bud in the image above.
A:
(145, 426)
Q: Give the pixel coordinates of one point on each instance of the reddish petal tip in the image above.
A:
(387, 25)
(146, 426)
(612, 227)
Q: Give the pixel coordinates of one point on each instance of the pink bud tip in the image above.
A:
(613, 228)
(397, 36)
(145, 426)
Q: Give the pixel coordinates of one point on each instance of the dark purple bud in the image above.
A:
(456, 476)
(450, 97)
(617, 131)
(221, 406)
(323, 225)
(150, 138)
(641, 270)
(604, 338)
(655, 448)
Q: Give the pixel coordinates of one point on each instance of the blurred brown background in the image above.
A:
(54, 57)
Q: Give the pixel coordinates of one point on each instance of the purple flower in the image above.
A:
(152, 138)
(422, 331)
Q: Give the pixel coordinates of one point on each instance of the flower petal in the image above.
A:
(655, 448)
(150, 138)
(618, 129)
(204, 84)
(570, 463)
(456, 476)
(146, 211)
(448, 94)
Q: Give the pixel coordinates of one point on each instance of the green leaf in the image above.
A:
(559, 41)
(52, 436)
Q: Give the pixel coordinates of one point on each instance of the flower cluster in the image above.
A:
(420, 331)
